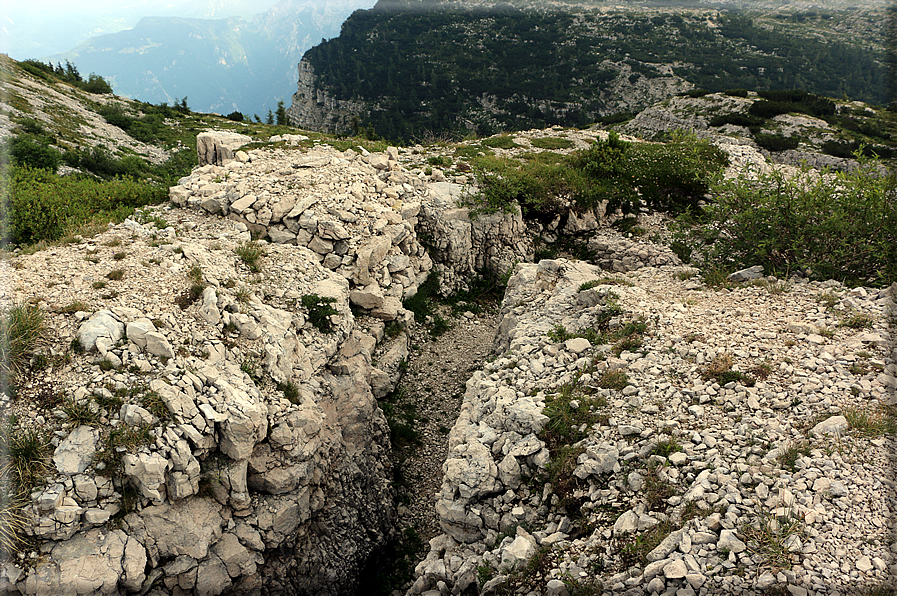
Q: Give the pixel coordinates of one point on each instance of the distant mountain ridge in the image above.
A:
(221, 65)
(405, 69)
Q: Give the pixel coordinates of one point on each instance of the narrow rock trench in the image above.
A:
(429, 398)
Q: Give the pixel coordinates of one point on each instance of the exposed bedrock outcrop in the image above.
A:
(364, 215)
(313, 107)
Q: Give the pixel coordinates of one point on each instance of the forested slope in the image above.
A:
(453, 67)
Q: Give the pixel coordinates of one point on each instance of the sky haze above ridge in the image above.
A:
(39, 28)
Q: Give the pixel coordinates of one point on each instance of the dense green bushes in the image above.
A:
(663, 176)
(849, 149)
(427, 68)
(736, 118)
(35, 152)
(775, 142)
(43, 206)
(68, 74)
(783, 102)
(835, 225)
(149, 127)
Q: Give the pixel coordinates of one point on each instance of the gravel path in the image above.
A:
(438, 369)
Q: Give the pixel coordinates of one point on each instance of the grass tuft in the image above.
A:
(769, 536)
(22, 333)
(80, 412)
(250, 253)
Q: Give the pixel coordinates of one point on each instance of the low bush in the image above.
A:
(552, 143)
(736, 118)
(320, 310)
(34, 152)
(783, 102)
(43, 206)
(775, 142)
(850, 149)
(500, 142)
(836, 225)
(663, 176)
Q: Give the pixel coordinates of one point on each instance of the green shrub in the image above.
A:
(552, 143)
(616, 118)
(775, 142)
(34, 152)
(736, 118)
(669, 177)
(783, 102)
(839, 226)
(319, 311)
(736, 92)
(500, 142)
(43, 206)
(695, 93)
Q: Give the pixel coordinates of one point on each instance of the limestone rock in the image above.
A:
(75, 454)
(754, 272)
(833, 425)
(218, 147)
(147, 471)
(102, 325)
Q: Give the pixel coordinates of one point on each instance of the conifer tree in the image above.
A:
(281, 114)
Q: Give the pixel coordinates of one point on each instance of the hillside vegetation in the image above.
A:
(115, 154)
(455, 67)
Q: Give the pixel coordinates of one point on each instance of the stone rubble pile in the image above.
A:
(720, 450)
(201, 469)
(234, 445)
(363, 214)
(621, 255)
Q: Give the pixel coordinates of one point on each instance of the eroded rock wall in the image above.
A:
(314, 108)
(260, 462)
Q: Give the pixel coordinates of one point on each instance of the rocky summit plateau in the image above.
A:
(218, 369)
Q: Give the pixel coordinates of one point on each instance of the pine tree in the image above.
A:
(281, 114)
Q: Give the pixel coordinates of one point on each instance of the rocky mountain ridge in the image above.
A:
(406, 69)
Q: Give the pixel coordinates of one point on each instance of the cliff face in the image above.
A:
(457, 67)
(315, 108)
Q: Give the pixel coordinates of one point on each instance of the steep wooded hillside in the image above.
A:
(404, 69)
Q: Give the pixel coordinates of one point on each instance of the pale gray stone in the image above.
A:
(219, 147)
(730, 542)
(675, 569)
(75, 454)
(157, 345)
(754, 272)
(833, 425)
(103, 324)
(517, 553)
(209, 309)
